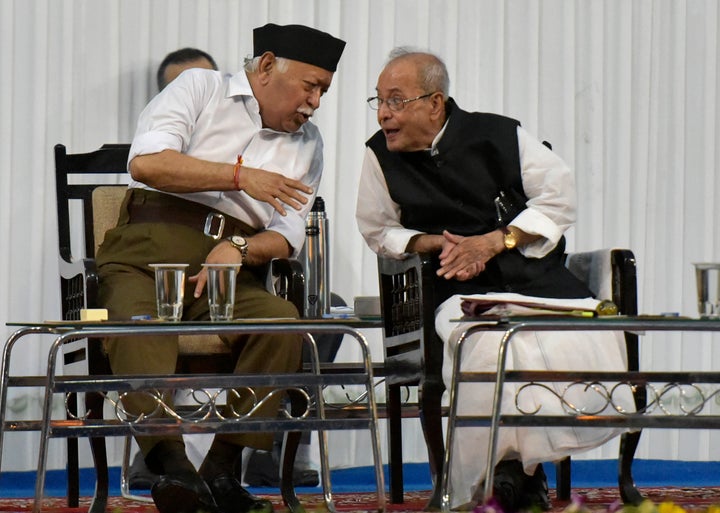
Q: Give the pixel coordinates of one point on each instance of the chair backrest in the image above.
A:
(77, 176)
(98, 181)
(413, 352)
(106, 201)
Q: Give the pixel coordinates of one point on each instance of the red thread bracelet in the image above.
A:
(236, 172)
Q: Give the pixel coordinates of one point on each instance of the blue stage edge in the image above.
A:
(585, 474)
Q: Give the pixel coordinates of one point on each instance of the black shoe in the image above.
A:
(263, 470)
(535, 491)
(139, 476)
(184, 492)
(231, 497)
(508, 485)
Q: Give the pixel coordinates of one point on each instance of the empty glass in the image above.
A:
(221, 290)
(708, 289)
(169, 290)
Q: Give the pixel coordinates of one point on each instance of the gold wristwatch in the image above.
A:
(510, 238)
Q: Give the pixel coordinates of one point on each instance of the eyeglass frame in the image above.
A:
(399, 104)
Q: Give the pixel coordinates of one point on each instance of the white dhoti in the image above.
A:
(569, 350)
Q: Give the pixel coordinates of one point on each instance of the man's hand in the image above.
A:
(273, 188)
(262, 247)
(464, 258)
(223, 253)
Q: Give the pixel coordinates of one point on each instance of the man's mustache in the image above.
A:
(306, 111)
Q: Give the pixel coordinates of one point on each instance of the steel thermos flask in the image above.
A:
(316, 262)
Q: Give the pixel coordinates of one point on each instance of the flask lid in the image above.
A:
(318, 205)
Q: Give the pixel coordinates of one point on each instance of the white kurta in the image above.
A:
(587, 350)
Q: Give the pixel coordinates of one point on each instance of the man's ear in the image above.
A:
(437, 104)
(266, 65)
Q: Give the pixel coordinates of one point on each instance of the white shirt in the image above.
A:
(216, 118)
(547, 181)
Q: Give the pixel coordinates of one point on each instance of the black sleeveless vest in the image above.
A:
(454, 190)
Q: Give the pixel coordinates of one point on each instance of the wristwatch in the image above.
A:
(239, 243)
(510, 239)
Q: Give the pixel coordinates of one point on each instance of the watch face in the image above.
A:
(238, 241)
(510, 240)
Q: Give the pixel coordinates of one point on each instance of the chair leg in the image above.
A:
(431, 420)
(94, 406)
(287, 488)
(73, 462)
(287, 457)
(563, 479)
(394, 416)
(628, 491)
(629, 441)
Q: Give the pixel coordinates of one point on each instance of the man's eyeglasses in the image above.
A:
(394, 104)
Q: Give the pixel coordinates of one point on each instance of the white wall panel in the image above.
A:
(627, 92)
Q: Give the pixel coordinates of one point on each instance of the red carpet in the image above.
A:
(596, 499)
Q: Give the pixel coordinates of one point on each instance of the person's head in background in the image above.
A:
(178, 61)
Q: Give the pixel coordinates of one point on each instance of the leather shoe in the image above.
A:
(535, 491)
(231, 497)
(508, 485)
(184, 492)
(139, 476)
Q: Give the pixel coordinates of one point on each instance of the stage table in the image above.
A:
(206, 418)
(655, 414)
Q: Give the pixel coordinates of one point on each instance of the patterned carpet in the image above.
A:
(691, 499)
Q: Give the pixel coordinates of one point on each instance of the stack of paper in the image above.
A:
(478, 306)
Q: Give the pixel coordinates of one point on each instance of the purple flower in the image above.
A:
(489, 506)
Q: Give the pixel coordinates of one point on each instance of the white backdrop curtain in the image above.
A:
(627, 92)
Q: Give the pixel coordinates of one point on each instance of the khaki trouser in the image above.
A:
(127, 288)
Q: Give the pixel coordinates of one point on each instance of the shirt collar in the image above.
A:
(433, 148)
(238, 85)
(449, 108)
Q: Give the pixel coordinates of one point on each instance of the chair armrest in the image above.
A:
(79, 287)
(609, 274)
(285, 278)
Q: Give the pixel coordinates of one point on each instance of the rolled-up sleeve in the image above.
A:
(377, 215)
(549, 185)
(168, 121)
(147, 143)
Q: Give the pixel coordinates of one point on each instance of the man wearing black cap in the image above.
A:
(209, 147)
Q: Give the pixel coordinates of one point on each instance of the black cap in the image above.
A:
(299, 43)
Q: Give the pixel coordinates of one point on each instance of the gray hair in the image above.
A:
(433, 73)
(252, 63)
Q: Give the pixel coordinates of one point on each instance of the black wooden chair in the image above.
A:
(413, 356)
(90, 188)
